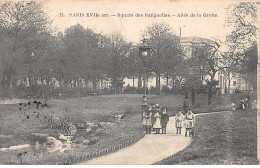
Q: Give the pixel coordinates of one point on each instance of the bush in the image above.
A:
(166, 90)
(130, 90)
(153, 90)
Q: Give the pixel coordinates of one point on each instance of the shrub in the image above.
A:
(130, 90)
(153, 90)
(166, 90)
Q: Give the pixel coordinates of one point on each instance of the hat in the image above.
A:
(164, 108)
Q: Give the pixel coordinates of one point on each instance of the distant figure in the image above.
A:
(157, 125)
(179, 122)
(241, 105)
(233, 106)
(246, 103)
(254, 104)
(186, 105)
(60, 95)
(147, 119)
(164, 119)
(189, 122)
(248, 100)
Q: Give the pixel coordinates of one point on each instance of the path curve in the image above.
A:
(148, 150)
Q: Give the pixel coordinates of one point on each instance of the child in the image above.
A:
(179, 121)
(254, 104)
(233, 106)
(242, 105)
(157, 125)
(147, 119)
(164, 119)
(189, 122)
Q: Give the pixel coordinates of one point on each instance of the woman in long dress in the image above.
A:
(157, 125)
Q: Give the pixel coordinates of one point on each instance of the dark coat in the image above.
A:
(164, 120)
(186, 105)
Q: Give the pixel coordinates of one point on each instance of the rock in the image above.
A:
(81, 125)
(17, 147)
(119, 116)
(90, 126)
(106, 124)
(66, 138)
(86, 142)
(53, 144)
(78, 140)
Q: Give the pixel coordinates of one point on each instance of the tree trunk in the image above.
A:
(229, 83)
(94, 86)
(139, 81)
(158, 83)
(193, 96)
(167, 81)
(133, 81)
(210, 94)
(11, 78)
(173, 78)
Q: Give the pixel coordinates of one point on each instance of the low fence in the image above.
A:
(89, 156)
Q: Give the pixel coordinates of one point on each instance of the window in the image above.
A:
(234, 83)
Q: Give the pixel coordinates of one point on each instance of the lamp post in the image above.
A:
(144, 53)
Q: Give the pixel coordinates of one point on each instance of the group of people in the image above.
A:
(244, 104)
(186, 120)
(155, 119)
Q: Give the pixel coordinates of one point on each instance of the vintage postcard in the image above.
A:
(99, 82)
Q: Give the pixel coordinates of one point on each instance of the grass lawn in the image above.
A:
(221, 138)
(16, 130)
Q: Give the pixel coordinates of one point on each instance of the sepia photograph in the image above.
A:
(109, 82)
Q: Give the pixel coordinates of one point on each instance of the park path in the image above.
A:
(148, 150)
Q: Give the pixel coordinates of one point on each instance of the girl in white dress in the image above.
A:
(157, 125)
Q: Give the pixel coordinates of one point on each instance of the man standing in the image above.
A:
(186, 105)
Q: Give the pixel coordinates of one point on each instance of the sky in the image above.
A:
(132, 27)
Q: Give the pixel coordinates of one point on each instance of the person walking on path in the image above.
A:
(179, 122)
(157, 125)
(147, 119)
(189, 122)
(164, 119)
(186, 105)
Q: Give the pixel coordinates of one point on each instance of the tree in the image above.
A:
(116, 65)
(164, 50)
(210, 60)
(134, 66)
(249, 66)
(242, 17)
(23, 24)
